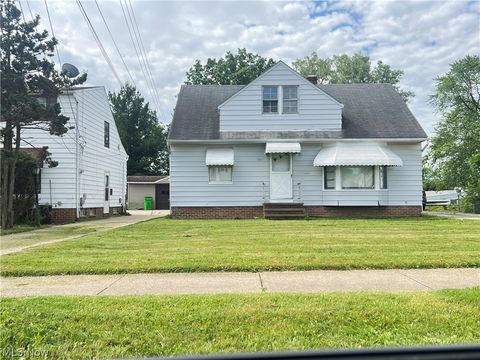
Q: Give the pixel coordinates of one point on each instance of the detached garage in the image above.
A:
(156, 187)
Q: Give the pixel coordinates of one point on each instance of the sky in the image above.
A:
(422, 38)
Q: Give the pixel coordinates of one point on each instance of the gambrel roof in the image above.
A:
(371, 111)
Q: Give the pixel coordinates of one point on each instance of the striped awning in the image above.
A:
(282, 148)
(357, 154)
(219, 157)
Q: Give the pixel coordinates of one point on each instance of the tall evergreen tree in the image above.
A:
(143, 137)
(27, 72)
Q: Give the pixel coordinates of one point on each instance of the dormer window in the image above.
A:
(290, 100)
(270, 99)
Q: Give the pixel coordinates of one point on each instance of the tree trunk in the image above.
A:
(7, 157)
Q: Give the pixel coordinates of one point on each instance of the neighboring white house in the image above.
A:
(90, 179)
(283, 146)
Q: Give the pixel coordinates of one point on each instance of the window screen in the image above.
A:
(358, 177)
(329, 177)
(106, 134)
(220, 174)
(290, 99)
(270, 99)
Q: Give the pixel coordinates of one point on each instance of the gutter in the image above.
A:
(301, 140)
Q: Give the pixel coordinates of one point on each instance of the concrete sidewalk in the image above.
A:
(14, 243)
(242, 282)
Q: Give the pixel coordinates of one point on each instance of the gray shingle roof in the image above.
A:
(146, 178)
(370, 111)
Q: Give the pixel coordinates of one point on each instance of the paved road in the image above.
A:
(14, 243)
(211, 283)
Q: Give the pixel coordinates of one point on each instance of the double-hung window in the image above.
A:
(270, 99)
(358, 177)
(220, 174)
(329, 177)
(290, 99)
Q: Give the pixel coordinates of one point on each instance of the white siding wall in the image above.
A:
(189, 179)
(316, 111)
(94, 158)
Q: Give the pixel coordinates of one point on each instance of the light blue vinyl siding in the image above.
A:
(316, 110)
(189, 179)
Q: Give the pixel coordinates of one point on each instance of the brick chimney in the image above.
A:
(313, 79)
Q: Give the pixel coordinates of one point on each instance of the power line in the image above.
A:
(60, 63)
(29, 9)
(115, 43)
(142, 50)
(152, 78)
(136, 51)
(99, 42)
(53, 33)
(21, 10)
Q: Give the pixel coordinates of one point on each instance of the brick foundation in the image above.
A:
(249, 212)
(62, 216)
(363, 211)
(224, 212)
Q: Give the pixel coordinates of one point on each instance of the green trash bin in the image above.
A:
(147, 203)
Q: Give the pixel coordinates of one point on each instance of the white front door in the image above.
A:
(106, 205)
(281, 177)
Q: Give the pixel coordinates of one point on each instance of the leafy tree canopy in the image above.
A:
(233, 69)
(144, 138)
(344, 69)
(455, 148)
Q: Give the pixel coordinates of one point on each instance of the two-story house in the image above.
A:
(91, 177)
(283, 146)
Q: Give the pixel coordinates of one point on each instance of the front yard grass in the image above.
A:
(135, 326)
(20, 229)
(166, 245)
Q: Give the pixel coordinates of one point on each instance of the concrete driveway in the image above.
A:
(20, 241)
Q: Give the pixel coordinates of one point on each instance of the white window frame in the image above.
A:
(279, 97)
(295, 99)
(338, 180)
(219, 182)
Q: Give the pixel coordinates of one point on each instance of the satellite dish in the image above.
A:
(69, 70)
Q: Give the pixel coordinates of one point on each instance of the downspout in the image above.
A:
(77, 167)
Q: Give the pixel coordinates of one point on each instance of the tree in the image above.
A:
(27, 73)
(144, 138)
(233, 69)
(455, 148)
(344, 69)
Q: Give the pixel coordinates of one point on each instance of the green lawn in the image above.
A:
(103, 327)
(20, 228)
(166, 245)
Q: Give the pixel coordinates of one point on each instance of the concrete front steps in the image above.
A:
(283, 210)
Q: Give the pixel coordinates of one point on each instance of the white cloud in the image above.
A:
(422, 38)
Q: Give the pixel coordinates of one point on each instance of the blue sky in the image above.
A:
(420, 37)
